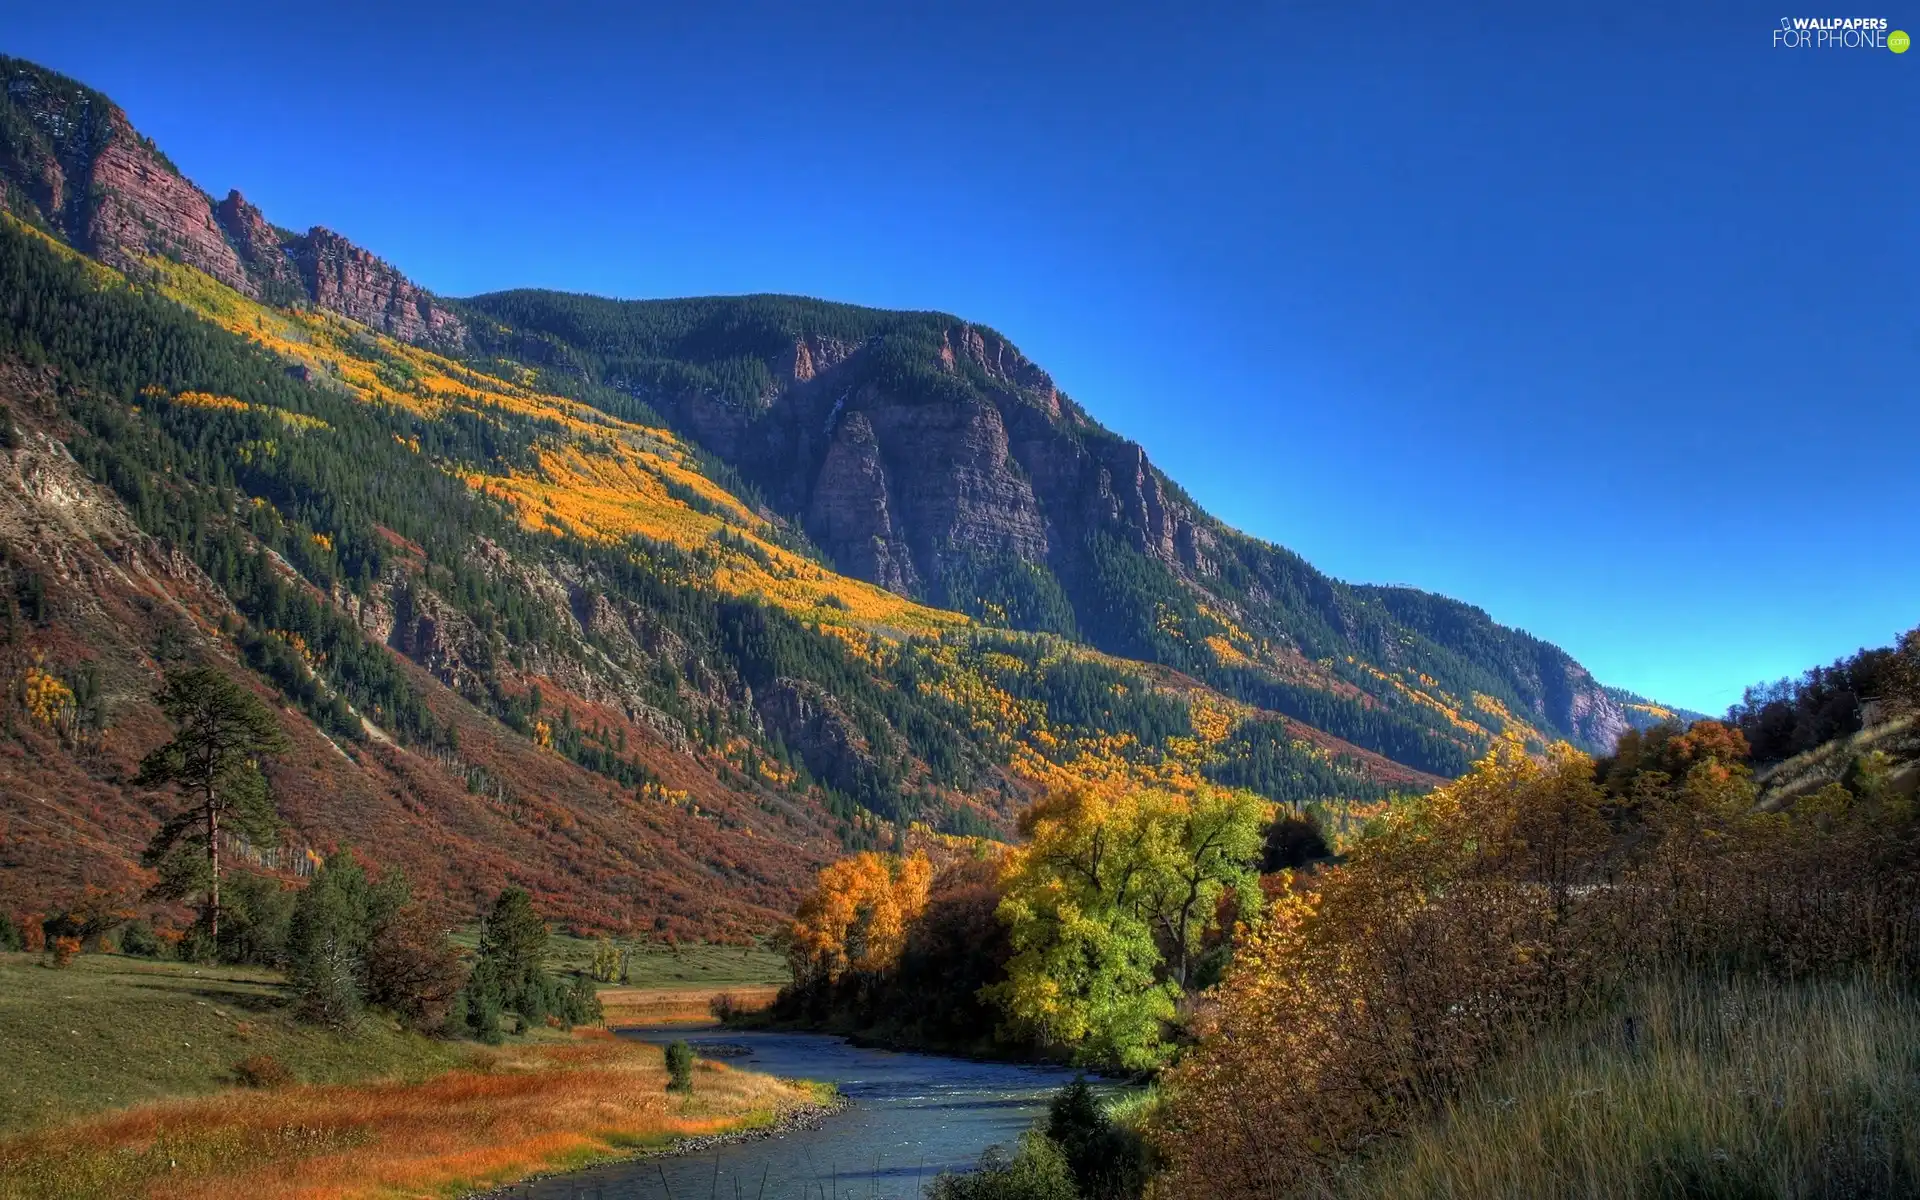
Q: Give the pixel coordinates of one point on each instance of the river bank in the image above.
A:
(789, 1121)
(908, 1118)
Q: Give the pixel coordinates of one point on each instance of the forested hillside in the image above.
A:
(651, 608)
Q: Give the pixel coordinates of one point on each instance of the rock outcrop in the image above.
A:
(261, 247)
(341, 277)
(70, 160)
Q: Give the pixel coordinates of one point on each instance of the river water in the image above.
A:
(913, 1116)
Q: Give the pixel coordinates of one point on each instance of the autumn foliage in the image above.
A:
(1526, 893)
(856, 917)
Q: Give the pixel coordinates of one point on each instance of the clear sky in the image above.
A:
(1600, 317)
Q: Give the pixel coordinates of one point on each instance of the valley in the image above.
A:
(489, 745)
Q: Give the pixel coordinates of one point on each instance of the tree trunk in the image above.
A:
(213, 862)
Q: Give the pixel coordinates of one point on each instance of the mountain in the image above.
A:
(928, 455)
(650, 606)
(1642, 713)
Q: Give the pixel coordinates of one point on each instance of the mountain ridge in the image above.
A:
(641, 606)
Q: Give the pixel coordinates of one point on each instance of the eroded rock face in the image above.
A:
(78, 166)
(1592, 713)
(261, 248)
(851, 516)
(343, 278)
(810, 721)
(902, 489)
(143, 207)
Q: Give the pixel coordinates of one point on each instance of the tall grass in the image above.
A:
(521, 1110)
(1694, 1089)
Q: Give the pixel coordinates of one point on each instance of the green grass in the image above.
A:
(110, 1031)
(651, 964)
(1721, 1090)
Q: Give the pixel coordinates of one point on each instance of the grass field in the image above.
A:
(1714, 1090)
(652, 965)
(513, 1112)
(675, 1005)
(110, 1031)
(379, 1113)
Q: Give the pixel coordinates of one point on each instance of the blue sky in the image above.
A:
(1601, 318)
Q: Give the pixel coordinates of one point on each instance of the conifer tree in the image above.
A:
(221, 731)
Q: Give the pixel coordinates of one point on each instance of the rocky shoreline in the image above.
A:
(793, 1120)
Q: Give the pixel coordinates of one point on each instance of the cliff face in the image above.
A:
(72, 162)
(903, 489)
(343, 278)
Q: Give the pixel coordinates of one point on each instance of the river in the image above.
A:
(913, 1116)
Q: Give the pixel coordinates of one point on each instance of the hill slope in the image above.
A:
(651, 607)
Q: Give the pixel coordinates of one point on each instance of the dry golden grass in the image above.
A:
(519, 1111)
(1697, 1088)
(676, 1006)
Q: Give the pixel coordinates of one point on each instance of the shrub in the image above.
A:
(61, 951)
(1037, 1171)
(679, 1057)
(1107, 1160)
(262, 1071)
(1516, 899)
(580, 1003)
(483, 1016)
(326, 944)
(90, 918)
(139, 940)
(10, 936)
(724, 1008)
(195, 946)
(411, 968)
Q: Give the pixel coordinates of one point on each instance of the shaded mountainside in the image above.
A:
(649, 607)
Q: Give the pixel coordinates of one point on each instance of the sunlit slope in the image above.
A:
(583, 473)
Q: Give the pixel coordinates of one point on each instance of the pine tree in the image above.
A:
(220, 733)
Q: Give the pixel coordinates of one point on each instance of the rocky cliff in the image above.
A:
(72, 162)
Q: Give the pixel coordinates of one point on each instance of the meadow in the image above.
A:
(130, 1077)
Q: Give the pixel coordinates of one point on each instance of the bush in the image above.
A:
(61, 951)
(195, 946)
(262, 1071)
(1038, 1171)
(483, 1016)
(1523, 896)
(89, 918)
(139, 940)
(412, 970)
(10, 936)
(580, 1004)
(679, 1067)
(326, 944)
(1108, 1161)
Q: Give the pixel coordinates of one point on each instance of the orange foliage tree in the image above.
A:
(856, 917)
